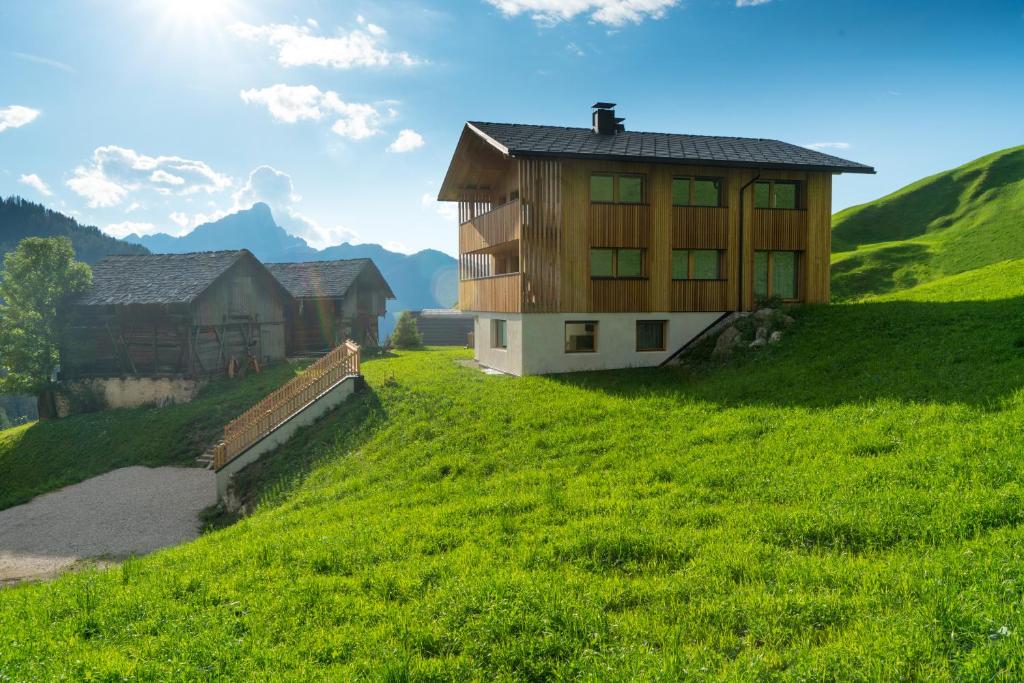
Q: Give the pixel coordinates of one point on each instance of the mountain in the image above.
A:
(20, 218)
(426, 279)
(952, 222)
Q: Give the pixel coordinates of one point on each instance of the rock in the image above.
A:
(762, 333)
(764, 313)
(787, 320)
(775, 337)
(758, 343)
(726, 341)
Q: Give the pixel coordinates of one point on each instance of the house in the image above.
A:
(332, 301)
(444, 326)
(153, 327)
(594, 248)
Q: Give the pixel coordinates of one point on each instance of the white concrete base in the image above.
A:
(536, 341)
(328, 400)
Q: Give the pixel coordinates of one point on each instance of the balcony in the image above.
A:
(779, 229)
(497, 226)
(499, 293)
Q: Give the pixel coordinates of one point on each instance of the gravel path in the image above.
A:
(130, 511)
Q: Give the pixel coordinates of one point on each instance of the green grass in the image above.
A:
(847, 505)
(949, 223)
(43, 456)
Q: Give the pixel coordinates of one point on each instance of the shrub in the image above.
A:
(406, 334)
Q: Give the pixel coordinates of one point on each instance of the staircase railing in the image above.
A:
(277, 407)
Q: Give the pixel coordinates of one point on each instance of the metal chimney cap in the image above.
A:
(602, 105)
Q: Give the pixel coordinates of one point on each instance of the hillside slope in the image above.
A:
(20, 218)
(850, 515)
(949, 223)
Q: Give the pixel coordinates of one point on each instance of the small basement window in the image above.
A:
(499, 334)
(696, 264)
(777, 194)
(581, 336)
(650, 335)
(775, 274)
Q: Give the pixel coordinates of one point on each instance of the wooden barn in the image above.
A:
(332, 301)
(182, 315)
(444, 326)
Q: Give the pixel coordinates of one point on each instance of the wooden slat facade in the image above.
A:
(559, 225)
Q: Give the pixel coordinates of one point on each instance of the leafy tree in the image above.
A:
(5, 422)
(37, 277)
(406, 334)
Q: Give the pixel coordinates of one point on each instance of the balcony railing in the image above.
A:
(497, 226)
(500, 293)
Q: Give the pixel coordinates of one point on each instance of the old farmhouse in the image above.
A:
(593, 248)
(332, 301)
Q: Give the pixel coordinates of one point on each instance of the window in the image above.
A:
(776, 194)
(606, 188)
(650, 335)
(696, 264)
(775, 274)
(696, 192)
(499, 334)
(612, 263)
(581, 337)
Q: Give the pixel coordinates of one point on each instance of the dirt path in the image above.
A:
(130, 511)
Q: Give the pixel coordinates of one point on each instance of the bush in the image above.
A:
(406, 334)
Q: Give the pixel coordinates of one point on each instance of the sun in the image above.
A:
(196, 13)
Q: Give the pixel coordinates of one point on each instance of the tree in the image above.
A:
(406, 334)
(37, 277)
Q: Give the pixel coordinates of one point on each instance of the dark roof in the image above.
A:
(518, 139)
(157, 278)
(324, 279)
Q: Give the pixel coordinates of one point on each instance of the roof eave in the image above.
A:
(776, 166)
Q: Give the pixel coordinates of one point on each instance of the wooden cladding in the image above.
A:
(497, 226)
(620, 225)
(499, 293)
(540, 190)
(620, 296)
(700, 227)
(779, 230)
(700, 295)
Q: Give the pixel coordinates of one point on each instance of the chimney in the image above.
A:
(604, 119)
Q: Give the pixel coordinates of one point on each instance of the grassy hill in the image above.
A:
(847, 505)
(952, 222)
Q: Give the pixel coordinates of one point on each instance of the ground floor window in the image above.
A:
(499, 334)
(775, 274)
(650, 335)
(581, 336)
(696, 264)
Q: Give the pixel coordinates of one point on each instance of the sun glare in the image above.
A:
(196, 13)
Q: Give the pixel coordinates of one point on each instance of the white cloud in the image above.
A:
(134, 206)
(407, 140)
(828, 145)
(45, 61)
(36, 183)
(116, 171)
(751, 3)
(180, 219)
(293, 103)
(608, 12)
(16, 116)
(400, 247)
(126, 228)
(447, 210)
(297, 46)
(575, 49)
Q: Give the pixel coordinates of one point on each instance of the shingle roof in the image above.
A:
(528, 140)
(156, 278)
(322, 279)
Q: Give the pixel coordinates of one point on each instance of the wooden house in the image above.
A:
(444, 326)
(332, 301)
(180, 315)
(591, 248)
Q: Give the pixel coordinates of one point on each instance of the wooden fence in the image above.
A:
(276, 408)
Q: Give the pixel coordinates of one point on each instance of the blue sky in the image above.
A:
(156, 115)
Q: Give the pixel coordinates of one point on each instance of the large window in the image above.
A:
(607, 188)
(777, 194)
(650, 335)
(696, 264)
(581, 337)
(499, 334)
(696, 192)
(775, 274)
(613, 263)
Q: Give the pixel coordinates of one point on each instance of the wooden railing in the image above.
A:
(276, 408)
(497, 226)
(501, 293)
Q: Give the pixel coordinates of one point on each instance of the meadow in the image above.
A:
(846, 505)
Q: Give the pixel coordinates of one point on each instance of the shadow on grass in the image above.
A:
(877, 271)
(969, 352)
(273, 478)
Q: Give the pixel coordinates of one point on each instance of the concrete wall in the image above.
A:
(536, 341)
(329, 400)
(124, 392)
